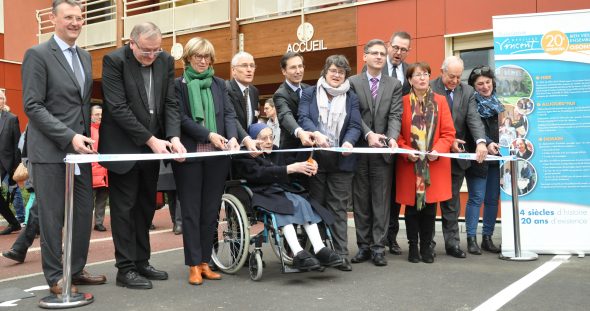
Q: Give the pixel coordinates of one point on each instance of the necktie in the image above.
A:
(245, 103)
(450, 99)
(374, 84)
(77, 70)
(394, 71)
(298, 91)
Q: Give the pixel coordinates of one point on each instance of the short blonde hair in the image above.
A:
(198, 45)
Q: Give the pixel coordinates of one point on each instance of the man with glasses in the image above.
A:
(140, 115)
(286, 99)
(244, 96)
(461, 100)
(397, 51)
(380, 98)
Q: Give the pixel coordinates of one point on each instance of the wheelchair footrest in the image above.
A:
(290, 269)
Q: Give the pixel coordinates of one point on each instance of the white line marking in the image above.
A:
(507, 294)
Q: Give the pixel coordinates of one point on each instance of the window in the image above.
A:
(475, 48)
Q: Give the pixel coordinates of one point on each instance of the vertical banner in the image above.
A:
(543, 79)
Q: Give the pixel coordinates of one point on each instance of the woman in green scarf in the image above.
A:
(423, 180)
(208, 123)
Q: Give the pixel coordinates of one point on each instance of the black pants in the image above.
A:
(132, 198)
(27, 236)
(199, 187)
(5, 209)
(419, 225)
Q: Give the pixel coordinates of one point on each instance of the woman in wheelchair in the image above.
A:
(269, 181)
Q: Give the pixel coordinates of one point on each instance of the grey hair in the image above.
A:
(451, 60)
(147, 29)
(372, 43)
(236, 58)
(56, 3)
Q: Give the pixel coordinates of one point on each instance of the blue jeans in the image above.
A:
(19, 206)
(486, 191)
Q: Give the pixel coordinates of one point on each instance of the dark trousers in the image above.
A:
(49, 183)
(450, 213)
(419, 225)
(333, 190)
(393, 226)
(27, 236)
(372, 201)
(199, 186)
(5, 209)
(132, 198)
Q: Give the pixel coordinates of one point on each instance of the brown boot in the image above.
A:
(207, 273)
(57, 288)
(194, 275)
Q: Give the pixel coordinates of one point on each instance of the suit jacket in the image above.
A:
(53, 103)
(465, 116)
(268, 179)
(383, 114)
(9, 137)
(287, 105)
(309, 115)
(126, 116)
(236, 97)
(193, 133)
(406, 85)
(440, 169)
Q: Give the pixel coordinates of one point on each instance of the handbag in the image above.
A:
(21, 173)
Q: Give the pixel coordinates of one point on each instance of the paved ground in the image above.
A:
(448, 284)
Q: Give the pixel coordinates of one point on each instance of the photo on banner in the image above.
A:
(542, 63)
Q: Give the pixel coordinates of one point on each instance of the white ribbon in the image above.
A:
(89, 158)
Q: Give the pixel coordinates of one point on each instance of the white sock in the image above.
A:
(291, 237)
(314, 237)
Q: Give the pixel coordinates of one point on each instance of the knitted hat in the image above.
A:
(255, 129)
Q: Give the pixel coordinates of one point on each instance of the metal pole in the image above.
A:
(67, 299)
(517, 254)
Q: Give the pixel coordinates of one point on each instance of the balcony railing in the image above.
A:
(256, 9)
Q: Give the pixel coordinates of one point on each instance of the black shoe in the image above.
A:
(472, 247)
(363, 255)
(14, 255)
(413, 253)
(305, 261)
(394, 248)
(379, 260)
(456, 252)
(151, 273)
(100, 227)
(152, 226)
(133, 280)
(328, 257)
(10, 229)
(177, 229)
(426, 253)
(345, 266)
(488, 245)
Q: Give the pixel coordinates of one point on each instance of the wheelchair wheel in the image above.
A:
(230, 248)
(255, 265)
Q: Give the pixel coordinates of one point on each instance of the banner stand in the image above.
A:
(67, 299)
(517, 254)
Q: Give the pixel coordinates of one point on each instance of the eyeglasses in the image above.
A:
(199, 57)
(376, 53)
(482, 70)
(396, 48)
(421, 75)
(336, 72)
(267, 138)
(145, 53)
(246, 66)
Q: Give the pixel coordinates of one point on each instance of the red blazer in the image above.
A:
(440, 169)
(100, 176)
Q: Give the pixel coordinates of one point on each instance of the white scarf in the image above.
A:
(332, 114)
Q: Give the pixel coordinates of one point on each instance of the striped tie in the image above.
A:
(374, 84)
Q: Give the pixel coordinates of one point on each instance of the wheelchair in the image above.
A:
(241, 225)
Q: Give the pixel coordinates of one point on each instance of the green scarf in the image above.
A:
(200, 97)
(424, 118)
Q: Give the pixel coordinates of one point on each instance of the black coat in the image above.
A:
(492, 135)
(268, 180)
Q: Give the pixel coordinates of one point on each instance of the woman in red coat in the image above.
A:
(423, 180)
(100, 179)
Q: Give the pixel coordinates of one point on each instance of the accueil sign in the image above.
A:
(305, 44)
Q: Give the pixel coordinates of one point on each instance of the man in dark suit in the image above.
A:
(244, 96)
(286, 99)
(57, 83)
(461, 100)
(140, 115)
(9, 159)
(380, 98)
